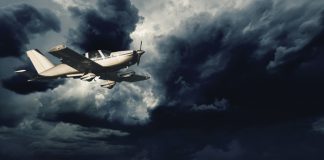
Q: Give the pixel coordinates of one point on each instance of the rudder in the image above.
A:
(40, 62)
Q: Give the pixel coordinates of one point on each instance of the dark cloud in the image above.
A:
(208, 152)
(263, 59)
(10, 118)
(280, 141)
(265, 62)
(243, 84)
(61, 141)
(13, 111)
(21, 85)
(106, 27)
(18, 23)
(289, 140)
(218, 105)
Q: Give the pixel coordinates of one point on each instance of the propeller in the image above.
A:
(139, 52)
(140, 46)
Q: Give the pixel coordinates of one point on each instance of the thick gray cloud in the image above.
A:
(208, 152)
(108, 26)
(231, 79)
(20, 84)
(103, 25)
(262, 57)
(36, 139)
(13, 111)
(88, 99)
(264, 38)
(91, 101)
(218, 105)
(319, 125)
(21, 22)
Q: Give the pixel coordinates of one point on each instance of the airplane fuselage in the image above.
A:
(117, 60)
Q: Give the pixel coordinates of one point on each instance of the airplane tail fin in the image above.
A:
(40, 62)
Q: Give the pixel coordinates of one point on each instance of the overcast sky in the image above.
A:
(230, 79)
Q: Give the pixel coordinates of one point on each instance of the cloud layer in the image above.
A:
(238, 55)
(231, 79)
(107, 26)
(19, 23)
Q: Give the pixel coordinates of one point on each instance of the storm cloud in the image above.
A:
(19, 23)
(119, 18)
(230, 79)
(269, 47)
(108, 26)
(21, 85)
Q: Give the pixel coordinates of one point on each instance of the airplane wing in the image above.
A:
(75, 60)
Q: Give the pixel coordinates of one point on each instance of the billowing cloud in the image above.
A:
(264, 47)
(208, 152)
(35, 139)
(126, 104)
(19, 23)
(21, 85)
(108, 26)
(12, 111)
(319, 125)
(218, 105)
(231, 79)
(104, 25)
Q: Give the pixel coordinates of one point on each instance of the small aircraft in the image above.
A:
(111, 67)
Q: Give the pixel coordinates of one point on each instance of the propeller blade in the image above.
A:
(138, 59)
(140, 46)
(139, 54)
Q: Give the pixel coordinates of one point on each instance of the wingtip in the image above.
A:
(30, 51)
(57, 48)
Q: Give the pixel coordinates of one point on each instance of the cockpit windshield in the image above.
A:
(94, 55)
(98, 54)
(106, 53)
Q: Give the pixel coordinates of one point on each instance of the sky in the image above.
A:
(230, 79)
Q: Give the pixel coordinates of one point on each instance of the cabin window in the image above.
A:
(106, 53)
(94, 55)
(86, 55)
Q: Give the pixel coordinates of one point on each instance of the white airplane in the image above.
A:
(111, 67)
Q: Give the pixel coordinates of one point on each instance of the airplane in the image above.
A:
(111, 67)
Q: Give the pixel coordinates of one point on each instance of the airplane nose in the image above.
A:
(139, 53)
